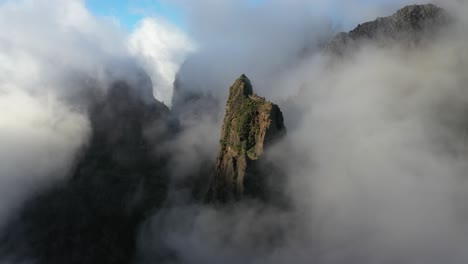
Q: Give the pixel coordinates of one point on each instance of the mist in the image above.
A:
(54, 55)
(375, 156)
(375, 153)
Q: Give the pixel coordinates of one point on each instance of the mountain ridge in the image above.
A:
(408, 25)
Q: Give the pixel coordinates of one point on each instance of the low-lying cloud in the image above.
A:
(377, 168)
(51, 54)
(376, 148)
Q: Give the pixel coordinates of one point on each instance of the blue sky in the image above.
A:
(129, 12)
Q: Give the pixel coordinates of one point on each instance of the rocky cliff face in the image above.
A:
(250, 125)
(121, 152)
(407, 26)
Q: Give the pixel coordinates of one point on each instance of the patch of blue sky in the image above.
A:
(129, 12)
(256, 3)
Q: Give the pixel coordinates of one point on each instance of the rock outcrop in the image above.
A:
(251, 124)
(408, 25)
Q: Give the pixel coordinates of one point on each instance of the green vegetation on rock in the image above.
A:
(249, 120)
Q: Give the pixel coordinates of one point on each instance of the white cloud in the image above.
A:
(50, 50)
(38, 137)
(161, 49)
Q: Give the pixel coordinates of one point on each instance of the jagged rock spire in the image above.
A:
(250, 125)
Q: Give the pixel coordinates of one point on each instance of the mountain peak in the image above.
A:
(412, 12)
(408, 24)
(250, 125)
(242, 87)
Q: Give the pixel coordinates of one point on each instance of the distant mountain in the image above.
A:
(407, 26)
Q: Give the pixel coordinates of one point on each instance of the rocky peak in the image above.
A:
(251, 125)
(418, 13)
(241, 87)
(408, 25)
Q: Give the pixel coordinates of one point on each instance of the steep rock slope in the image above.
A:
(250, 125)
(407, 26)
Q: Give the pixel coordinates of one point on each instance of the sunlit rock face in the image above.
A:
(250, 125)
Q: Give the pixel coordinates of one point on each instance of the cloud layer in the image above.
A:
(160, 48)
(376, 151)
(375, 156)
(51, 54)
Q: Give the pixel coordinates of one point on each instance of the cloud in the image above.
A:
(44, 48)
(384, 133)
(51, 54)
(234, 38)
(265, 40)
(378, 155)
(377, 160)
(161, 49)
(39, 137)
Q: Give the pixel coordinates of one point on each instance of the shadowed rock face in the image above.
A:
(121, 154)
(250, 125)
(408, 25)
(118, 179)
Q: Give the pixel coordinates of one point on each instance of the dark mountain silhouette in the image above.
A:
(407, 26)
(118, 180)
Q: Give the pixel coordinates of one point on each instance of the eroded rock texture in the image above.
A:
(407, 26)
(251, 124)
